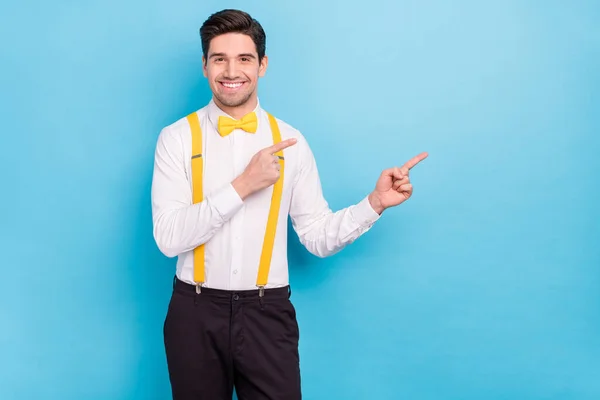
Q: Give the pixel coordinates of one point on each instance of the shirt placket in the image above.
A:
(237, 244)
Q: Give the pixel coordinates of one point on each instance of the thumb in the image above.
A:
(387, 173)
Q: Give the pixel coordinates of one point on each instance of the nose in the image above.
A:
(231, 71)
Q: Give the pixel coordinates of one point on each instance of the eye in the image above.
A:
(219, 59)
(245, 59)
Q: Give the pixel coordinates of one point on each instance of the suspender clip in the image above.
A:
(198, 288)
(261, 291)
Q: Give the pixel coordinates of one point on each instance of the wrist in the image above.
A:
(241, 186)
(375, 202)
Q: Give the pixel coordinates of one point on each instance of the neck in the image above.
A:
(239, 111)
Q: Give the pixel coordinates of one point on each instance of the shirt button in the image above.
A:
(235, 271)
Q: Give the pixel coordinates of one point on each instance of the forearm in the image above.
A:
(181, 229)
(330, 232)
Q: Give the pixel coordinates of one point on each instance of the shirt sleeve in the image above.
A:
(322, 231)
(178, 224)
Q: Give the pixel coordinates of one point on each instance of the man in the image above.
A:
(226, 177)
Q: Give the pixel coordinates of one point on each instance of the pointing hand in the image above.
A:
(393, 186)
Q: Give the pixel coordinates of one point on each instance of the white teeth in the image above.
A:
(232, 85)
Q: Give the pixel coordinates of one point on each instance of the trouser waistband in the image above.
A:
(284, 292)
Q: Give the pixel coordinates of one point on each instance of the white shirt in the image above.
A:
(233, 230)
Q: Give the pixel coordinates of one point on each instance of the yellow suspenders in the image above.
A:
(198, 196)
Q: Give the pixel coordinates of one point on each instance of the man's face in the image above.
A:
(233, 69)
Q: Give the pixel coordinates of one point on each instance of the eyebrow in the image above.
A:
(249, 55)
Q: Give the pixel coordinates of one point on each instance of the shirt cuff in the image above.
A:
(363, 214)
(227, 202)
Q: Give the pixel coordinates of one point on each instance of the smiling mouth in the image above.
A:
(232, 86)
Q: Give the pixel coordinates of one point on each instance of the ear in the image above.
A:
(204, 67)
(263, 66)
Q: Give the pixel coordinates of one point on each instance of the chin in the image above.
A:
(234, 101)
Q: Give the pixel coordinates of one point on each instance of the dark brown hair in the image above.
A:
(233, 21)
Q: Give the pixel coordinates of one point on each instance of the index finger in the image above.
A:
(281, 145)
(415, 160)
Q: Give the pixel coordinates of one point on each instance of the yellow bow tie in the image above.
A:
(249, 123)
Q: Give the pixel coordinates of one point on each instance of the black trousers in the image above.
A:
(218, 340)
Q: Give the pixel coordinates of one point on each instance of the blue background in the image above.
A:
(484, 285)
